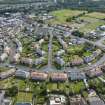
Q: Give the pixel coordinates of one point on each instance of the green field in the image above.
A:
(97, 15)
(24, 97)
(91, 20)
(62, 15)
(91, 26)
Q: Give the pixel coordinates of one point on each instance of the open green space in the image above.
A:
(74, 49)
(91, 26)
(62, 15)
(24, 97)
(87, 53)
(98, 15)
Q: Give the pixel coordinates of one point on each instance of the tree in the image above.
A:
(78, 33)
(11, 92)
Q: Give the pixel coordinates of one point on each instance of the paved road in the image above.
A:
(50, 50)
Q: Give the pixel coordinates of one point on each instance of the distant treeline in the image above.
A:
(88, 5)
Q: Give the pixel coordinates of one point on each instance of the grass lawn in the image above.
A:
(76, 87)
(91, 26)
(62, 15)
(88, 19)
(44, 46)
(75, 48)
(52, 86)
(6, 83)
(87, 53)
(24, 97)
(96, 15)
(40, 100)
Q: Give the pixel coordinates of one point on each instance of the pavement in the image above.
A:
(50, 50)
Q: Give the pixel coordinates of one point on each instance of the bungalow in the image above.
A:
(6, 74)
(76, 75)
(39, 76)
(94, 72)
(22, 74)
(60, 61)
(58, 77)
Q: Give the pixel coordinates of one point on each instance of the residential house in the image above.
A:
(62, 42)
(60, 52)
(102, 27)
(8, 73)
(39, 61)
(77, 100)
(88, 59)
(58, 77)
(77, 41)
(60, 61)
(22, 74)
(94, 72)
(40, 52)
(93, 98)
(3, 57)
(39, 76)
(76, 75)
(56, 100)
(16, 57)
(77, 60)
(27, 61)
(7, 50)
(41, 41)
(3, 100)
(96, 53)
